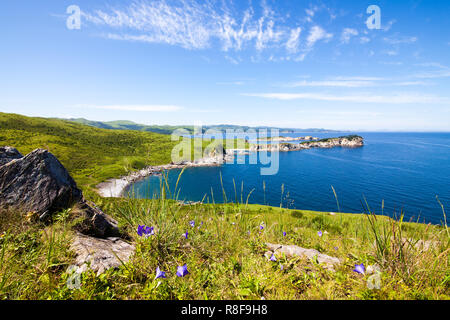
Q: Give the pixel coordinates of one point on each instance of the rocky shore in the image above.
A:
(116, 188)
(284, 139)
(352, 141)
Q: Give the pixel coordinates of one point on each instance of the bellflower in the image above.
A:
(186, 234)
(182, 271)
(192, 223)
(359, 268)
(272, 258)
(160, 274)
(319, 233)
(145, 231)
(284, 234)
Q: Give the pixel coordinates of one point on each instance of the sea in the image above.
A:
(394, 173)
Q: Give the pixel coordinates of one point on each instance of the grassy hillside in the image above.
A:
(90, 154)
(166, 129)
(129, 125)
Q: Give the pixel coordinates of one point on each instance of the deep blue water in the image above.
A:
(406, 170)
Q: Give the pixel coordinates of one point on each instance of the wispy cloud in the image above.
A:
(401, 98)
(347, 33)
(356, 82)
(333, 83)
(196, 25)
(400, 40)
(316, 34)
(434, 71)
(140, 108)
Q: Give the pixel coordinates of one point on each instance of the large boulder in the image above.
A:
(7, 154)
(37, 183)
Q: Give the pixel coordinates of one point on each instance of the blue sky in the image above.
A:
(281, 63)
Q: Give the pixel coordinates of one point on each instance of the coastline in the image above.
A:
(116, 188)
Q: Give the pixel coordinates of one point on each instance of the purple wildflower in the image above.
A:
(160, 274)
(149, 231)
(145, 231)
(319, 233)
(192, 223)
(281, 267)
(182, 271)
(284, 234)
(359, 268)
(272, 258)
(186, 234)
(140, 230)
(261, 227)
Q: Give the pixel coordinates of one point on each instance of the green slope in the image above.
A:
(90, 154)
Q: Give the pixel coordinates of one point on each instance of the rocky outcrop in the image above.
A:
(100, 254)
(7, 154)
(347, 141)
(292, 251)
(37, 183)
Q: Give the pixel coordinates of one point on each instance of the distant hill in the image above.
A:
(167, 129)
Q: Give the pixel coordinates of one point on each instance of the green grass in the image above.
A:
(224, 261)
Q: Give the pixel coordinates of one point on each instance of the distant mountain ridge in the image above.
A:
(168, 129)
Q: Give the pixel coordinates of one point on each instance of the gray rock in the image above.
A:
(100, 254)
(292, 250)
(7, 154)
(37, 183)
(95, 222)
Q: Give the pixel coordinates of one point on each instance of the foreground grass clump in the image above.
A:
(224, 254)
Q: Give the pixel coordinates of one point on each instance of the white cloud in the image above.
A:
(437, 71)
(388, 26)
(403, 40)
(347, 34)
(316, 34)
(402, 98)
(141, 108)
(196, 25)
(364, 40)
(293, 42)
(334, 83)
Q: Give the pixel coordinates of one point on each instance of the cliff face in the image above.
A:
(347, 142)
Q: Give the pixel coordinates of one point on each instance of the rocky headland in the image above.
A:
(284, 139)
(352, 141)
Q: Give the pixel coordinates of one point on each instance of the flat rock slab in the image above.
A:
(292, 251)
(100, 254)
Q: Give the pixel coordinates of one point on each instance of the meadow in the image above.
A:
(222, 245)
